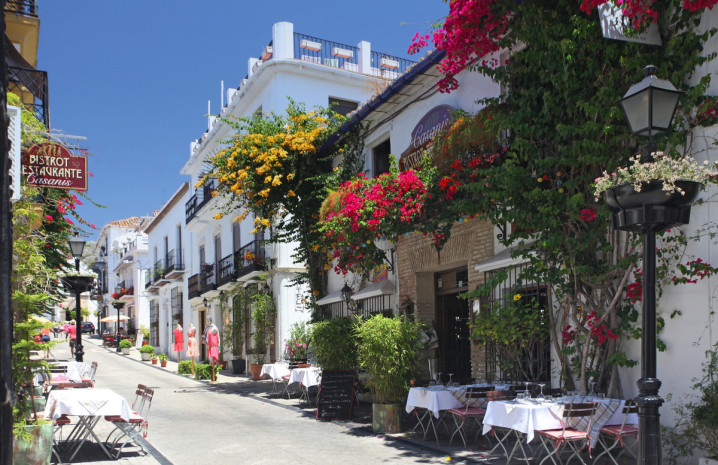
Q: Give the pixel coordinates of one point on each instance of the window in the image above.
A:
(343, 107)
(201, 256)
(534, 363)
(217, 248)
(380, 155)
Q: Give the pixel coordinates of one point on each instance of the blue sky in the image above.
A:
(134, 76)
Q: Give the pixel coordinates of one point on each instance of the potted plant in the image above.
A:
(125, 345)
(163, 360)
(263, 313)
(334, 344)
(296, 349)
(147, 351)
(387, 350)
(154, 359)
(233, 305)
(669, 185)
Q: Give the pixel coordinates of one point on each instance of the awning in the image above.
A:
(331, 298)
(502, 259)
(385, 287)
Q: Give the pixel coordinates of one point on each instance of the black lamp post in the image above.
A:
(649, 107)
(118, 304)
(76, 248)
(347, 295)
(99, 268)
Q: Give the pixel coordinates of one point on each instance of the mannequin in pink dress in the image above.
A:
(213, 344)
(192, 346)
(179, 341)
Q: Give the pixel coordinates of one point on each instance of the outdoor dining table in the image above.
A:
(89, 405)
(277, 370)
(435, 399)
(525, 416)
(306, 377)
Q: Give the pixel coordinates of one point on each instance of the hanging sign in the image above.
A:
(424, 132)
(50, 164)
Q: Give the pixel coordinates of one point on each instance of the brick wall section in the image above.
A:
(471, 242)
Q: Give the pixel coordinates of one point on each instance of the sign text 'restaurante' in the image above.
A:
(50, 164)
(425, 130)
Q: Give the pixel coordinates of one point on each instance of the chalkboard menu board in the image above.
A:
(335, 395)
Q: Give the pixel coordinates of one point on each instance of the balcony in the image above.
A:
(148, 282)
(200, 198)
(250, 261)
(158, 273)
(208, 278)
(174, 262)
(193, 287)
(22, 7)
(127, 292)
(226, 271)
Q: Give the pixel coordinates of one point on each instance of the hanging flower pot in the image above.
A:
(651, 207)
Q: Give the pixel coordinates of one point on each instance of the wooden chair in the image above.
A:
(612, 436)
(469, 413)
(555, 440)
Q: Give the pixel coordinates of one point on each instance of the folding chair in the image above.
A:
(137, 426)
(469, 413)
(57, 425)
(574, 438)
(615, 435)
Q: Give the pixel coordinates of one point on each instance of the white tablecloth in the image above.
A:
(526, 416)
(437, 398)
(309, 377)
(86, 402)
(275, 370)
(434, 399)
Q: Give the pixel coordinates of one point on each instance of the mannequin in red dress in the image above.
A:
(192, 346)
(213, 344)
(179, 341)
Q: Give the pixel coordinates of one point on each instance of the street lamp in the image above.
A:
(118, 304)
(76, 247)
(99, 268)
(649, 107)
(347, 295)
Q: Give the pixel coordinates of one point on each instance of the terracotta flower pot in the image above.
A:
(163, 363)
(256, 369)
(154, 361)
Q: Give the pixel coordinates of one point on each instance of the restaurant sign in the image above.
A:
(50, 164)
(425, 130)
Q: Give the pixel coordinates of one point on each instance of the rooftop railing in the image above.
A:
(325, 52)
(23, 7)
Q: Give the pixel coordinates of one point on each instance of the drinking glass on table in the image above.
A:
(527, 393)
(593, 387)
(451, 384)
(540, 394)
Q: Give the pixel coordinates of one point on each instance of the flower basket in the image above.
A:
(651, 207)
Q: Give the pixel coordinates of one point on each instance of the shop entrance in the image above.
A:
(452, 318)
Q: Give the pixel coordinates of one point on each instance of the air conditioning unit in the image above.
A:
(14, 131)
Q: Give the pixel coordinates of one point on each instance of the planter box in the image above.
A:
(145, 356)
(125, 351)
(36, 451)
(238, 366)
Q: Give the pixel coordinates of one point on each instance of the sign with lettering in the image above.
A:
(336, 395)
(425, 130)
(50, 164)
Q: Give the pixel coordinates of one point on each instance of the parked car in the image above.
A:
(88, 327)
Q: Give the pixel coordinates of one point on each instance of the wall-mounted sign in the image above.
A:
(50, 164)
(425, 130)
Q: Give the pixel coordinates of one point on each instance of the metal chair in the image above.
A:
(469, 413)
(612, 436)
(136, 428)
(574, 438)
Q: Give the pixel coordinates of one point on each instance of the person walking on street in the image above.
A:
(65, 328)
(72, 331)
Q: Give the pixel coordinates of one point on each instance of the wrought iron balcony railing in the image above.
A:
(200, 198)
(251, 257)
